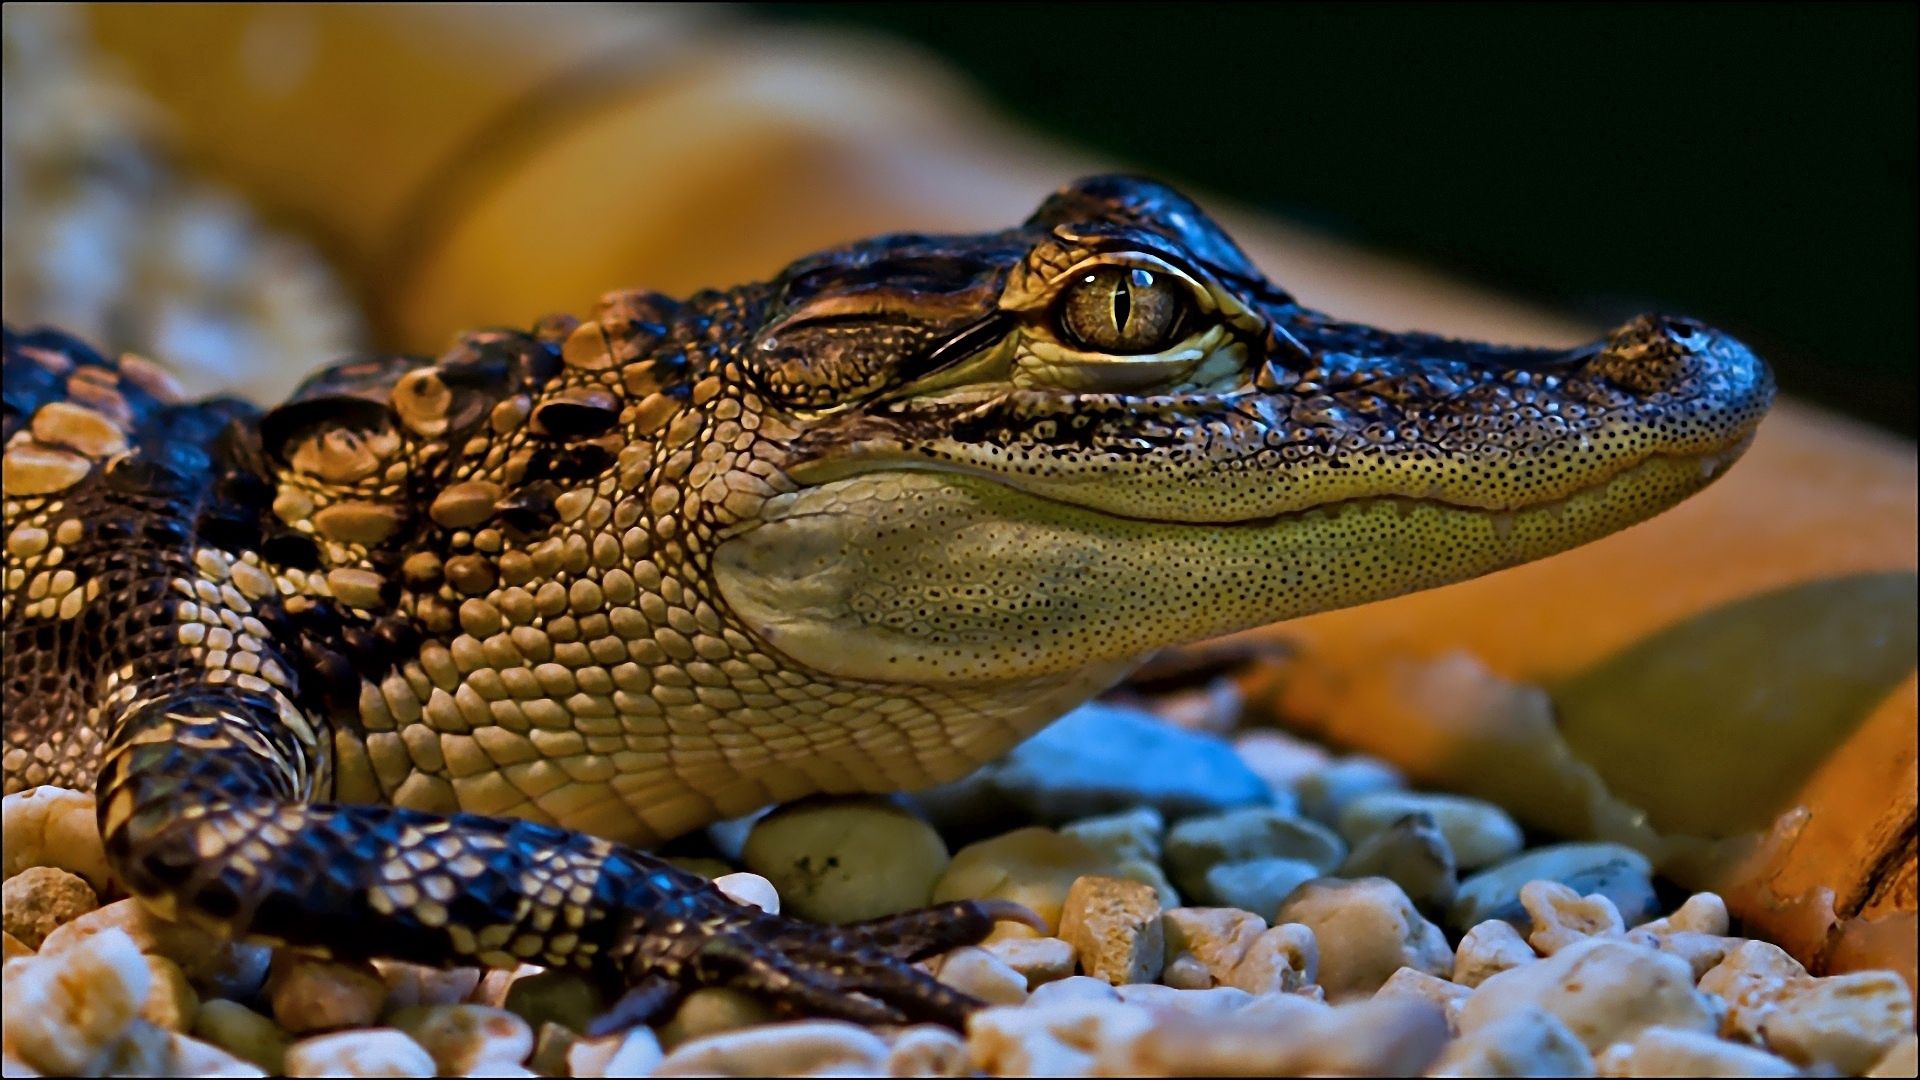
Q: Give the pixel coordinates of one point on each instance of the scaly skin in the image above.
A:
(411, 665)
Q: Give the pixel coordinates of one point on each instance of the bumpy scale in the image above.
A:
(412, 665)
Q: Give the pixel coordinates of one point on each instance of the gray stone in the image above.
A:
(1256, 885)
(1098, 759)
(1326, 792)
(1198, 845)
(1616, 872)
(1413, 853)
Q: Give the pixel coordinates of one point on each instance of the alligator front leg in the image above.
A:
(202, 815)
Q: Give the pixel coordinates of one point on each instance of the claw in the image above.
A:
(644, 1002)
(1008, 911)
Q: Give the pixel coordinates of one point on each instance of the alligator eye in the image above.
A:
(1124, 309)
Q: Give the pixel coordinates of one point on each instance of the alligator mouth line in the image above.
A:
(1710, 464)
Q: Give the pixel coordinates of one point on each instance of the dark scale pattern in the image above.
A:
(413, 664)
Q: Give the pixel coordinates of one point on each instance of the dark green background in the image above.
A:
(1749, 165)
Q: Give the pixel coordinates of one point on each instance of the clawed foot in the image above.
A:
(860, 971)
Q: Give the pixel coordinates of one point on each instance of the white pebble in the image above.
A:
(1287, 1035)
(51, 826)
(634, 1052)
(1487, 950)
(1061, 1038)
(1603, 989)
(461, 1037)
(65, 1012)
(1529, 1041)
(1841, 1022)
(1418, 985)
(1284, 959)
(365, 1052)
(1702, 913)
(802, 1046)
(973, 970)
(1665, 1051)
(925, 1050)
(1215, 1001)
(1038, 960)
(750, 889)
(1072, 988)
(1752, 980)
(1562, 916)
(1902, 1059)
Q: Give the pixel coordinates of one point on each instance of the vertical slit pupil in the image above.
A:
(1122, 305)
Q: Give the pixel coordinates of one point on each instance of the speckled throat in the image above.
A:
(861, 528)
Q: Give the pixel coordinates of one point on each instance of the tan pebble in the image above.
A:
(1562, 916)
(1284, 959)
(172, 1004)
(1664, 1051)
(355, 587)
(711, 1010)
(51, 826)
(1032, 866)
(1058, 1038)
(413, 984)
(368, 1052)
(1216, 937)
(1752, 980)
(551, 1044)
(64, 1013)
(1488, 949)
(1366, 930)
(39, 899)
(795, 1047)
(11, 947)
(316, 995)
(461, 1037)
(975, 971)
(1185, 972)
(1038, 960)
(1526, 1042)
(633, 1053)
(31, 470)
(1841, 1022)
(196, 950)
(76, 427)
(466, 504)
(1114, 927)
(242, 1032)
(1408, 983)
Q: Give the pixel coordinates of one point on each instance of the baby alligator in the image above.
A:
(414, 664)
